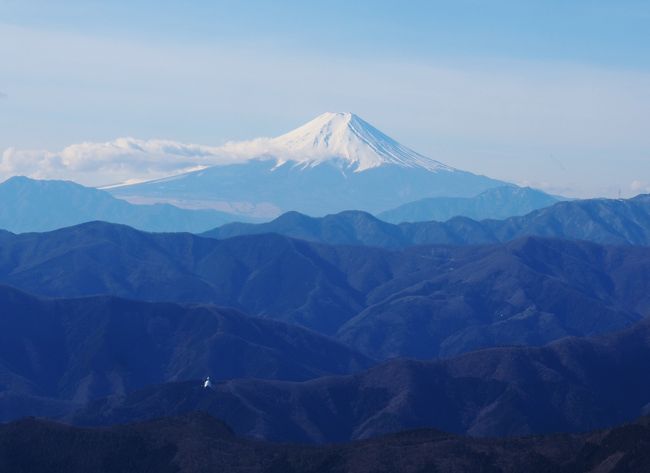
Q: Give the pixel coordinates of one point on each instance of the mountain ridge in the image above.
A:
(603, 221)
(197, 442)
(420, 302)
(58, 352)
(571, 385)
(497, 203)
(29, 205)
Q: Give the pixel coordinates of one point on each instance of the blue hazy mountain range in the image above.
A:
(55, 353)
(610, 221)
(420, 302)
(497, 203)
(28, 205)
(58, 356)
(335, 162)
(572, 385)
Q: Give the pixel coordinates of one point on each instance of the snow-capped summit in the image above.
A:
(345, 136)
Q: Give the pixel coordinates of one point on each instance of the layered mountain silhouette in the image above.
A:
(420, 302)
(28, 205)
(198, 443)
(607, 221)
(497, 203)
(572, 385)
(335, 162)
(391, 295)
(55, 353)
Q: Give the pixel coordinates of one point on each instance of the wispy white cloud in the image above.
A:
(121, 160)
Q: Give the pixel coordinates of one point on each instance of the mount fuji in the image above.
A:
(335, 162)
(350, 141)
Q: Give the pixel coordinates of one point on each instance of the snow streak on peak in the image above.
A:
(336, 135)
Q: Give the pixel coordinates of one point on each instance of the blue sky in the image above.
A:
(550, 93)
(594, 31)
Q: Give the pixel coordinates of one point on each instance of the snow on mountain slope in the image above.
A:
(346, 136)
